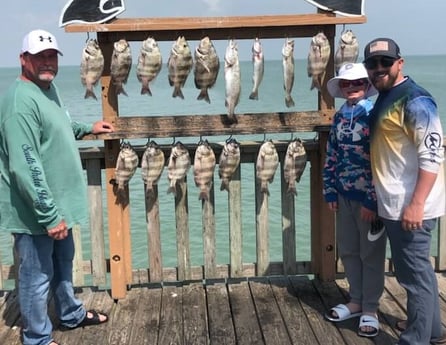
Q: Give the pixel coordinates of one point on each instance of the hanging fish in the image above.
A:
(178, 165)
(149, 64)
(288, 71)
(206, 69)
(152, 165)
(179, 65)
(318, 57)
(266, 165)
(121, 63)
(126, 165)
(348, 49)
(92, 65)
(294, 164)
(228, 162)
(258, 68)
(204, 166)
(232, 79)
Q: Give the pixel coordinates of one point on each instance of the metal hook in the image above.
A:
(173, 143)
(229, 139)
(88, 37)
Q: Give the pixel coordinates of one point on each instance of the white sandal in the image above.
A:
(368, 321)
(342, 312)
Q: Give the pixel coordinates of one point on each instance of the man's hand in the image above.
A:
(59, 232)
(102, 127)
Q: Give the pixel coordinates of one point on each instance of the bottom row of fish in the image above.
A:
(179, 162)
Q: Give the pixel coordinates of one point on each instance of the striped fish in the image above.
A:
(348, 49)
(179, 65)
(149, 64)
(318, 57)
(204, 166)
(178, 166)
(228, 162)
(294, 164)
(126, 165)
(266, 165)
(152, 165)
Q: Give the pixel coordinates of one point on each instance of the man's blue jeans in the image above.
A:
(46, 263)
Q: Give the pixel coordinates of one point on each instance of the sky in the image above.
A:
(414, 25)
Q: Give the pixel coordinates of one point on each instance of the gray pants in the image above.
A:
(414, 271)
(363, 260)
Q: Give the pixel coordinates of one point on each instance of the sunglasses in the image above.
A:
(384, 61)
(348, 83)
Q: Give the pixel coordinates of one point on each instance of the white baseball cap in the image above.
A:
(349, 71)
(39, 40)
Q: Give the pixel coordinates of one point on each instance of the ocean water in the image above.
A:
(429, 71)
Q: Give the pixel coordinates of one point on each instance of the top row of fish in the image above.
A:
(207, 65)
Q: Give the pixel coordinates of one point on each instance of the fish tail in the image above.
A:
(254, 95)
(204, 195)
(224, 185)
(315, 83)
(289, 102)
(120, 89)
(204, 95)
(264, 187)
(145, 90)
(90, 94)
(292, 190)
(177, 92)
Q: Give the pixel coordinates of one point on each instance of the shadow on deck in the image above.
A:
(274, 310)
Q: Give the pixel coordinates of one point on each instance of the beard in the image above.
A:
(383, 82)
(47, 76)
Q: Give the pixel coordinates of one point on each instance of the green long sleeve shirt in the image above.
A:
(42, 181)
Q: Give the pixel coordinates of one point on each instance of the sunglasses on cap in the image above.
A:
(384, 61)
(343, 83)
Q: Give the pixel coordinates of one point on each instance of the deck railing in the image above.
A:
(92, 267)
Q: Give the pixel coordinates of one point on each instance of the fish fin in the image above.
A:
(315, 83)
(177, 92)
(204, 95)
(172, 190)
(289, 102)
(254, 95)
(90, 94)
(120, 90)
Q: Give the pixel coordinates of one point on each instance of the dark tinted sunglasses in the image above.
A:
(384, 61)
(355, 83)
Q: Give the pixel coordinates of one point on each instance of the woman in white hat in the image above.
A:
(349, 192)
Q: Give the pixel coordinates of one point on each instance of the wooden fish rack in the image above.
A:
(217, 28)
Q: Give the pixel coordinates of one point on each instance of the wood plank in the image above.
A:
(221, 329)
(123, 316)
(146, 321)
(268, 313)
(195, 125)
(183, 240)
(293, 314)
(235, 225)
(171, 321)
(78, 274)
(209, 236)
(154, 234)
(195, 320)
(324, 331)
(247, 329)
(94, 181)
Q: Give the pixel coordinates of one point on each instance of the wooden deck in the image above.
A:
(275, 310)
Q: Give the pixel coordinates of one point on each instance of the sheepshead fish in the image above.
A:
(266, 165)
(348, 49)
(178, 165)
(204, 166)
(92, 65)
(126, 165)
(206, 69)
(288, 71)
(228, 162)
(179, 65)
(152, 165)
(149, 64)
(318, 59)
(294, 164)
(232, 79)
(258, 68)
(121, 63)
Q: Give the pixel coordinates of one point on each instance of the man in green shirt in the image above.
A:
(42, 189)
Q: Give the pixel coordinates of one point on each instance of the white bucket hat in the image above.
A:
(39, 40)
(349, 71)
